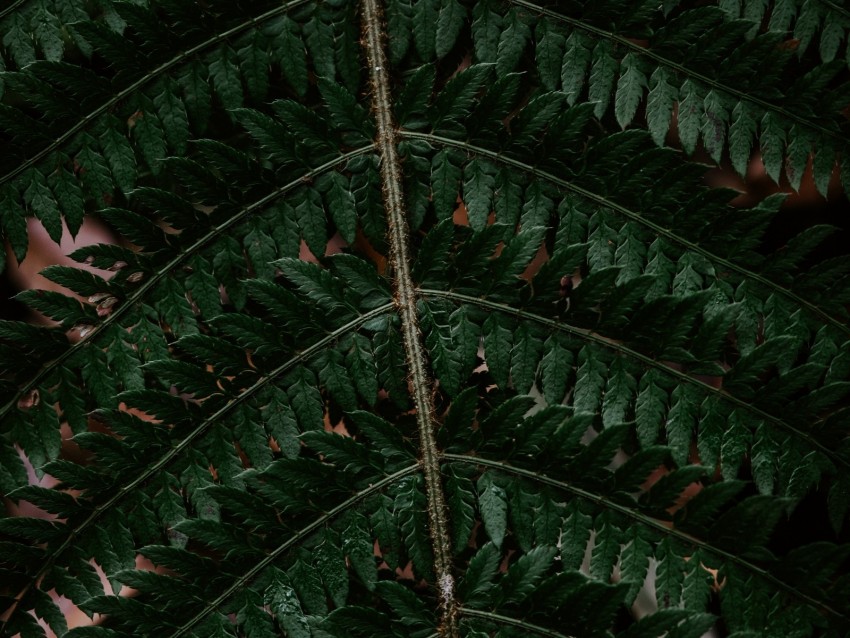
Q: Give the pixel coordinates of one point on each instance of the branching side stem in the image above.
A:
(129, 488)
(280, 550)
(513, 622)
(182, 256)
(177, 60)
(405, 300)
(589, 335)
(659, 526)
(684, 70)
(605, 201)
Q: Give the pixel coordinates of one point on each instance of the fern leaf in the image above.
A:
(432, 335)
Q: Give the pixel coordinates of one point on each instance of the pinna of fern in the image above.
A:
(422, 330)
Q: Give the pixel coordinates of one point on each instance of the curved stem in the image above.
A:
(162, 68)
(680, 68)
(588, 335)
(178, 449)
(374, 39)
(11, 8)
(295, 538)
(630, 214)
(140, 292)
(602, 501)
(834, 7)
(514, 622)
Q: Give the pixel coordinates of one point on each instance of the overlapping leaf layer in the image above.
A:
(631, 394)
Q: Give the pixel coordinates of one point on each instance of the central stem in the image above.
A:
(405, 300)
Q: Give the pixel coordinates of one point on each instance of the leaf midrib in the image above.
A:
(243, 580)
(632, 215)
(11, 8)
(124, 93)
(149, 284)
(181, 447)
(679, 68)
(513, 622)
(590, 336)
(644, 520)
(422, 386)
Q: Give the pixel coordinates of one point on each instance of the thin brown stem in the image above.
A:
(405, 300)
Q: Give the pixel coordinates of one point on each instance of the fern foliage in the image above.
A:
(420, 320)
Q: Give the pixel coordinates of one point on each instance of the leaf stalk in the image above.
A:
(405, 299)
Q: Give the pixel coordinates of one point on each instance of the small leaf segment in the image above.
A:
(405, 299)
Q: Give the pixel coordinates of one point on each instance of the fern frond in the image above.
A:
(708, 547)
(656, 228)
(709, 112)
(420, 330)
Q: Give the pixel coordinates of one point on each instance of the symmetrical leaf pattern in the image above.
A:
(420, 321)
